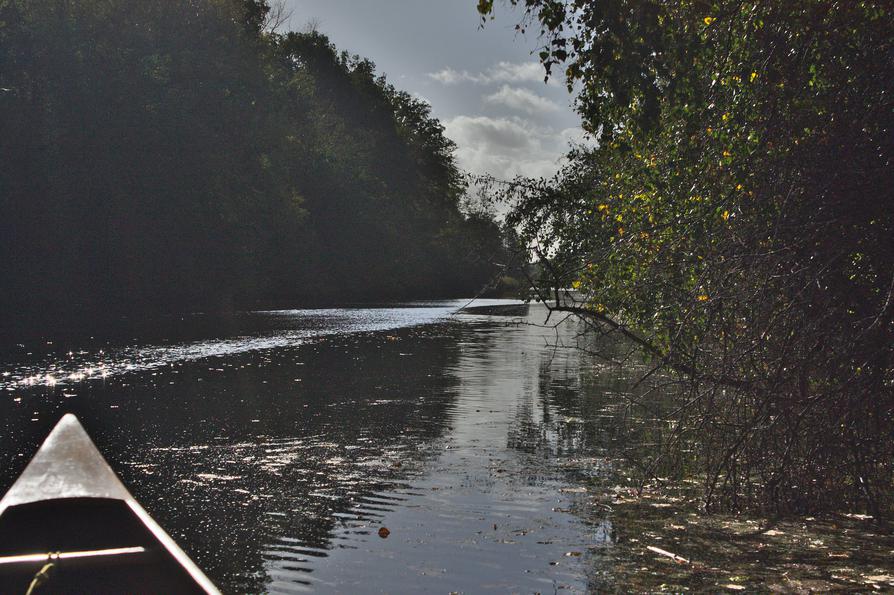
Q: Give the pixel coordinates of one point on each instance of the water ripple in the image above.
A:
(300, 326)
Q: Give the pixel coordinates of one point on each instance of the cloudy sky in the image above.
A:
(483, 84)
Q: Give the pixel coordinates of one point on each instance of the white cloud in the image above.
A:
(449, 76)
(522, 100)
(502, 72)
(577, 136)
(493, 133)
(422, 98)
(507, 147)
(510, 72)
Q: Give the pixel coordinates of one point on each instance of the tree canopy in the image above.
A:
(735, 222)
(178, 156)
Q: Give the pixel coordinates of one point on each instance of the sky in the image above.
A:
(484, 84)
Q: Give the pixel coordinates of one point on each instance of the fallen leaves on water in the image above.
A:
(384, 532)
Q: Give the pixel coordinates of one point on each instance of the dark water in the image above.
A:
(275, 446)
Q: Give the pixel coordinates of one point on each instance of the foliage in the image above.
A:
(175, 155)
(735, 222)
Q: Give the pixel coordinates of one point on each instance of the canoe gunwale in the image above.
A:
(68, 468)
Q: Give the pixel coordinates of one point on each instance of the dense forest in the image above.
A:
(735, 224)
(171, 156)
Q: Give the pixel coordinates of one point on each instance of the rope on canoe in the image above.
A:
(42, 576)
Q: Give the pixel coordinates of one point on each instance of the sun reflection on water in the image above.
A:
(294, 328)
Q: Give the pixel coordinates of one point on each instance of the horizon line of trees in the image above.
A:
(169, 156)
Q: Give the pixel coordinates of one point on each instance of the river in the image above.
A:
(426, 447)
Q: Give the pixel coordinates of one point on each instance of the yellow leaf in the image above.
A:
(702, 298)
(754, 76)
(709, 20)
(725, 215)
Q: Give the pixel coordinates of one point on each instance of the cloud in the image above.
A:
(449, 76)
(502, 72)
(509, 72)
(495, 133)
(578, 137)
(522, 100)
(507, 147)
(422, 98)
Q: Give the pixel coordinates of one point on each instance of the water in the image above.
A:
(401, 449)
(51, 363)
(276, 451)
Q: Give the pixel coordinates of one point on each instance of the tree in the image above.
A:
(160, 157)
(735, 224)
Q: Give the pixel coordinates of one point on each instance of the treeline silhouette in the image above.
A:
(168, 156)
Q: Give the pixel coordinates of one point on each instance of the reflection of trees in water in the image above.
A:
(588, 421)
(581, 406)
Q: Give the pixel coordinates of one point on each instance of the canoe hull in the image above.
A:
(69, 500)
